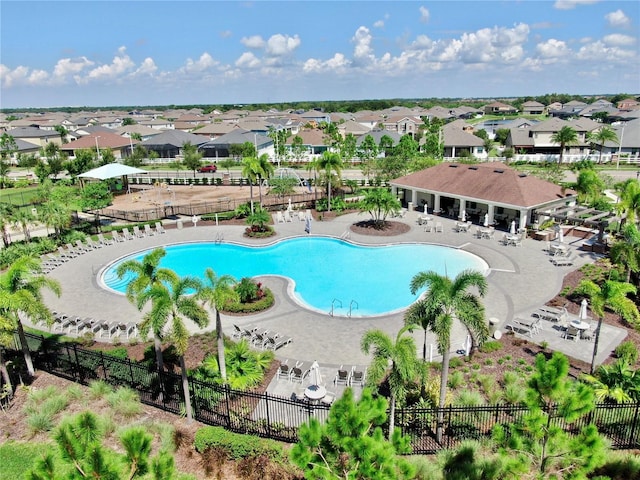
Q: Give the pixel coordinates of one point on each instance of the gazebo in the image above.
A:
(112, 170)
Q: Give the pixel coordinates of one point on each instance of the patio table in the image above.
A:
(558, 248)
(315, 392)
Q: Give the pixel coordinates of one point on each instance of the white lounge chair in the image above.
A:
(148, 231)
(563, 261)
(160, 228)
(137, 232)
(439, 227)
(127, 234)
(105, 241)
(279, 217)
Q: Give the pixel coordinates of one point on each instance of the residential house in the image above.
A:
(459, 141)
(313, 140)
(35, 135)
(220, 147)
(120, 147)
(628, 104)
(533, 108)
(404, 125)
(352, 127)
(168, 144)
(542, 132)
(499, 108)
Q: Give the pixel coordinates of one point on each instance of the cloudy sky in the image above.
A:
(99, 53)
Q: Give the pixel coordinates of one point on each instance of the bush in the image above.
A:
(258, 306)
(237, 446)
(492, 346)
(627, 351)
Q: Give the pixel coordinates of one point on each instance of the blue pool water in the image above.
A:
(327, 273)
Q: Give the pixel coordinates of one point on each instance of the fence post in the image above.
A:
(633, 442)
(266, 398)
(75, 354)
(450, 411)
(227, 405)
(104, 367)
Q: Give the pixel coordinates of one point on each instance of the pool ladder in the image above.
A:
(353, 302)
(219, 237)
(333, 303)
(353, 305)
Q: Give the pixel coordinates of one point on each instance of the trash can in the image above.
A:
(179, 225)
(493, 325)
(410, 206)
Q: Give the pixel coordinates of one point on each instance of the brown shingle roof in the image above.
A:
(493, 182)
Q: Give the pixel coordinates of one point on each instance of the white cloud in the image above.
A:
(147, 67)
(618, 39)
(281, 45)
(247, 60)
(571, 4)
(120, 64)
(205, 62)
(225, 34)
(598, 51)
(363, 51)
(13, 77)
(38, 77)
(255, 41)
(552, 48)
(68, 66)
(618, 19)
(337, 63)
(424, 14)
(379, 24)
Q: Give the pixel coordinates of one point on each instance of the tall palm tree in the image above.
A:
(445, 301)
(7, 332)
(601, 136)
(6, 215)
(265, 171)
(314, 166)
(170, 305)
(330, 162)
(217, 291)
(565, 136)
(23, 218)
(612, 295)
(589, 186)
(627, 250)
(250, 170)
(147, 274)
(21, 288)
(394, 360)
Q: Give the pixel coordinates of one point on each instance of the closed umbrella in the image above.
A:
(426, 207)
(463, 216)
(486, 219)
(512, 229)
(560, 235)
(314, 374)
(307, 224)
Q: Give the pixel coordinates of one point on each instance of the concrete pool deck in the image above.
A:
(521, 279)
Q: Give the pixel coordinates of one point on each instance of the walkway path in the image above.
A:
(521, 279)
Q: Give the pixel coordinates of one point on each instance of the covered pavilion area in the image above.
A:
(491, 193)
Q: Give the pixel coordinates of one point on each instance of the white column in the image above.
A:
(524, 215)
(436, 202)
(463, 206)
(414, 197)
(490, 211)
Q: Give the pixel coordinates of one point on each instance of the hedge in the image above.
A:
(265, 302)
(237, 446)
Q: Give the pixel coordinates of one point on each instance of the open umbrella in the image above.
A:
(463, 216)
(314, 374)
(512, 229)
(486, 219)
(583, 310)
(307, 224)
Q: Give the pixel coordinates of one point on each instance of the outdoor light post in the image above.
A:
(97, 149)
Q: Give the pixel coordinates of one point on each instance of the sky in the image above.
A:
(125, 53)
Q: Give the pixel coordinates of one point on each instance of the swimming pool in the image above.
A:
(327, 274)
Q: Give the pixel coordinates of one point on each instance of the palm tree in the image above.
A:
(314, 166)
(23, 218)
(565, 136)
(266, 170)
(612, 295)
(330, 162)
(7, 332)
(626, 251)
(601, 136)
(445, 301)
(394, 360)
(21, 294)
(6, 214)
(217, 292)
(589, 186)
(250, 170)
(630, 200)
(617, 381)
(170, 305)
(147, 274)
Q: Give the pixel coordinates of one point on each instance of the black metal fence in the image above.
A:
(270, 416)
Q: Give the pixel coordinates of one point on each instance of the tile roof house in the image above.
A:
(459, 141)
(120, 146)
(34, 135)
(498, 108)
(168, 144)
(220, 147)
(495, 189)
(352, 127)
(533, 108)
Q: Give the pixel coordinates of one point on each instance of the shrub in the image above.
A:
(237, 446)
(265, 302)
(247, 290)
(125, 402)
(99, 389)
(492, 346)
(627, 351)
(513, 394)
(456, 379)
(469, 398)
(456, 362)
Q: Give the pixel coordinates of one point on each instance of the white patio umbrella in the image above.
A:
(289, 205)
(463, 216)
(426, 207)
(512, 229)
(314, 374)
(486, 219)
(560, 235)
(583, 310)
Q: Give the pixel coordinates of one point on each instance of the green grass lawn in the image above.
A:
(19, 457)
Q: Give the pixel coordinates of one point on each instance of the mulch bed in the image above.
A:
(389, 228)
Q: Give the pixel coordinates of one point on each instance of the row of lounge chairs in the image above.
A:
(263, 339)
(289, 216)
(73, 324)
(353, 376)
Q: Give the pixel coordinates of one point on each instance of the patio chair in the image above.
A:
(439, 227)
(160, 228)
(328, 399)
(287, 216)
(259, 339)
(429, 226)
(73, 250)
(81, 247)
(298, 373)
(137, 232)
(117, 238)
(55, 260)
(572, 333)
(93, 244)
(274, 343)
(148, 231)
(563, 261)
(284, 371)
(105, 241)
(127, 234)
(342, 377)
(358, 376)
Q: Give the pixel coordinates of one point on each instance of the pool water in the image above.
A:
(328, 275)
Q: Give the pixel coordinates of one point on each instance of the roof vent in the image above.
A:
(453, 165)
(473, 168)
(498, 171)
(522, 175)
